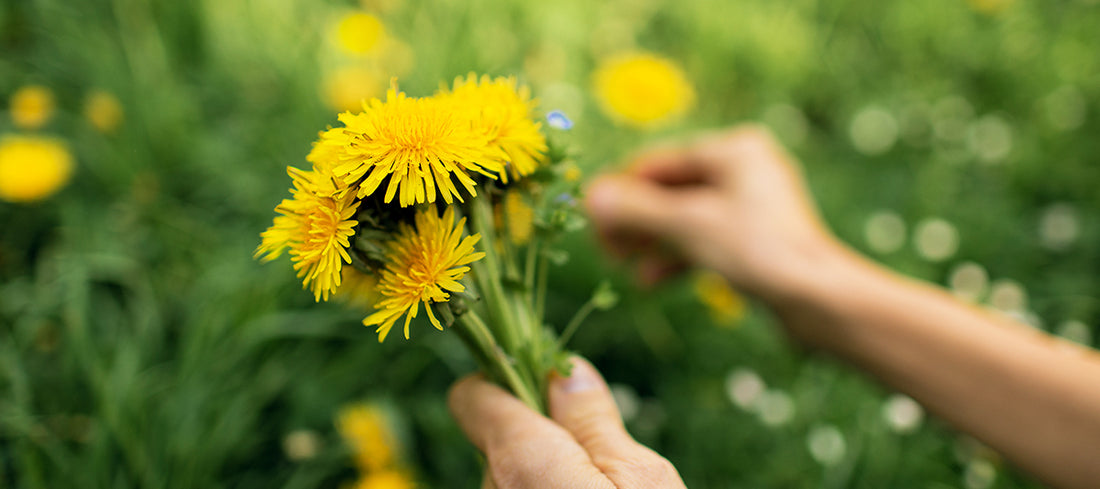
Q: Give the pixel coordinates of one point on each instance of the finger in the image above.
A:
(524, 449)
(654, 268)
(631, 204)
(671, 166)
(583, 405)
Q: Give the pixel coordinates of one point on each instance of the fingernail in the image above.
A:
(602, 195)
(582, 378)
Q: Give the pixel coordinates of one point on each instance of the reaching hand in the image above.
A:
(732, 201)
(582, 445)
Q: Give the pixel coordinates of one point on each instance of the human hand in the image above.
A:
(582, 445)
(732, 201)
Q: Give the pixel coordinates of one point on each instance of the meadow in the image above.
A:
(142, 345)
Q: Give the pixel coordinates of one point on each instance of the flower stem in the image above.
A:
(487, 273)
(575, 323)
(477, 335)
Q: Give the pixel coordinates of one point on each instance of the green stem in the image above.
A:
(575, 323)
(529, 269)
(498, 361)
(487, 274)
(540, 290)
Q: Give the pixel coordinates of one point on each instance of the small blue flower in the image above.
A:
(558, 120)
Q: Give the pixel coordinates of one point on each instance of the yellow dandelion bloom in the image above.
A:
(426, 262)
(31, 106)
(316, 227)
(642, 90)
(367, 432)
(417, 144)
(572, 173)
(357, 288)
(359, 32)
(727, 307)
(386, 479)
(989, 7)
(519, 217)
(503, 110)
(345, 89)
(32, 168)
(103, 111)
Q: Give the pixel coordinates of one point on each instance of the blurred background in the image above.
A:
(145, 143)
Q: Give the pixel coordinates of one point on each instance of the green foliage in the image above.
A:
(142, 346)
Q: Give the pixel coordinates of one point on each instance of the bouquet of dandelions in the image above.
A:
(451, 203)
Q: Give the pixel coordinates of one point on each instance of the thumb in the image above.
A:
(625, 203)
(583, 405)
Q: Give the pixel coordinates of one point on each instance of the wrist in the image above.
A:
(823, 280)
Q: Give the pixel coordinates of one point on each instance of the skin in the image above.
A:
(735, 202)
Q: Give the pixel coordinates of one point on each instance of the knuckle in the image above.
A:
(642, 470)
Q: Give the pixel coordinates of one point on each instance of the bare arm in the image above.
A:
(735, 202)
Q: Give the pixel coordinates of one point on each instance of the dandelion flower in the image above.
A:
(519, 217)
(726, 306)
(366, 431)
(31, 106)
(503, 110)
(103, 111)
(417, 144)
(32, 168)
(426, 263)
(642, 90)
(359, 32)
(345, 89)
(317, 228)
(357, 288)
(386, 479)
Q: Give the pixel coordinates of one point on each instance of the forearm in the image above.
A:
(1034, 398)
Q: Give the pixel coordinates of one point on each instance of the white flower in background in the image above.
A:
(950, 116)
(1065, 108)
(873, 131)
(969, 281)
(558, 120)
(826, 444)
(1008, 296)
(775, 408)
(627, 400)
(788, 122)
(301, 444)
(1058, 227)
(1076, 331)
(989, 139)
(902, 414)
(744, 387)
(884, 232)
(980, 474)
(935, 239)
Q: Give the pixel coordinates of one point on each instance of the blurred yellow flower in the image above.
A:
(103, 111)
(316, 227)
(347, 88)
(572, 173)
(31, 106)
(642, 90)
(32, 167)
(386, 479)
(367, 432)
(425, 263)
(989, 7)
(357, 288)
(726, 305)
(519, 217)
(416, 144)
(359, 32)
(504, 112)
